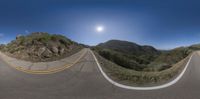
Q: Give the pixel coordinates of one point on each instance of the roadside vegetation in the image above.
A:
(139, 78)
(168, 59)
(131, 65)
(140, 58)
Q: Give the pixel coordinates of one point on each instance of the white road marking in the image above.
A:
(142, 88)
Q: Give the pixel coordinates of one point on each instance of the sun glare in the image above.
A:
(99, 28)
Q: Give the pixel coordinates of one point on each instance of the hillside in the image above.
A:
(40, 46)
(127, 54)
(169, 58)
(140, 58)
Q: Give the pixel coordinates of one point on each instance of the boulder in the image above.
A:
(54, 49)
(47, 53)
(62, 50)
(41, 50)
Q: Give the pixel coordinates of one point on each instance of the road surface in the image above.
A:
(85, 81)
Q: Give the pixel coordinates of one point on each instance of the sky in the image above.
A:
(164, 24)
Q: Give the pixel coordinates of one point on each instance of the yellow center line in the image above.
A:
(48, 71)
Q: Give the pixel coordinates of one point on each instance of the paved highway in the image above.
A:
(85, 81)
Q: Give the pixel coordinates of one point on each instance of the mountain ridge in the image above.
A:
(128, 47)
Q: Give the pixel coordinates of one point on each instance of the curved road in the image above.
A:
(85, 81)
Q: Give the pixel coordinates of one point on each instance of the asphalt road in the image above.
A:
(85, 81)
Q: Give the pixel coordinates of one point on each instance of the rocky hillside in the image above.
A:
(40, 46)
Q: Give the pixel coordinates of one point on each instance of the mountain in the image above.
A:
(138, 57)
(128, 47)
(40, 46)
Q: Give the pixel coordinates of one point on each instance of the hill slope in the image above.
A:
(141, 58)
(40, 46)
(127, 54)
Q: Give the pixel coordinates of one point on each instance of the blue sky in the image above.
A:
(164, 24)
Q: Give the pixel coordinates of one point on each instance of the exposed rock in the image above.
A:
(41, 50)
(54, 49)
(61, 51)
(47, 53)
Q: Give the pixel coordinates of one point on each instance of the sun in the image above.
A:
(99, 28)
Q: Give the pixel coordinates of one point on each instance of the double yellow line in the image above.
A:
(49, 71)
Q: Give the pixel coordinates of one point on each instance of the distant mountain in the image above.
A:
(40, 46)
(128, 47)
